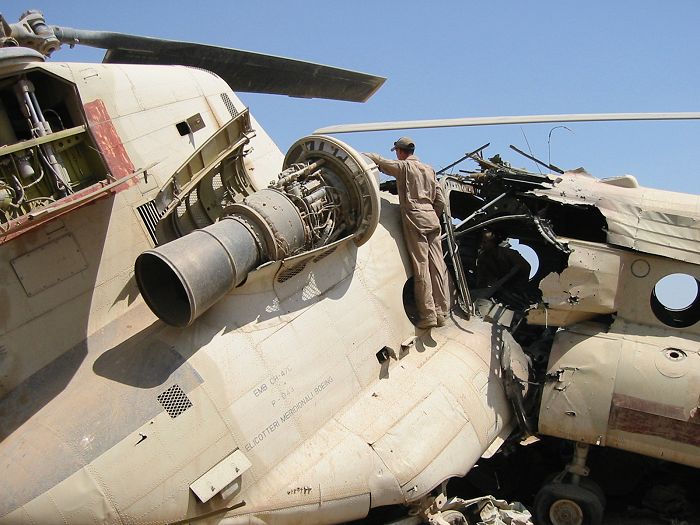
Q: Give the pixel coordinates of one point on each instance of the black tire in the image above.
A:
(569, 504)
(592, 486)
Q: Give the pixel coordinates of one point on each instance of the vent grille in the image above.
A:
(174, 401)
(229, 105)
(324, 254)
(290, 272)
(150, 217)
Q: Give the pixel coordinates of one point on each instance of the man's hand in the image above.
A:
(373, 156)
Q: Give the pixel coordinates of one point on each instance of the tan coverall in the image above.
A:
(421, 201)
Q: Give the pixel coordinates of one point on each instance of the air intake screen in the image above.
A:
(174, 401)
(150, 217)
(229, 105)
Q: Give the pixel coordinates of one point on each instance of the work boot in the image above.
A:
(426, 323)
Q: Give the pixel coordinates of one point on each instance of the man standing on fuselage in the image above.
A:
(421, 202)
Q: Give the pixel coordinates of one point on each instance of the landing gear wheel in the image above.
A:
(569, 504)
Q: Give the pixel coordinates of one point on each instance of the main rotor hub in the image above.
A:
(31, 31)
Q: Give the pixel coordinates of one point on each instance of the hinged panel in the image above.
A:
(220, 476)
(49, 264)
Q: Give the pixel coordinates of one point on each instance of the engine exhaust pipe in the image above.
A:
(325, 191)
(182, 278)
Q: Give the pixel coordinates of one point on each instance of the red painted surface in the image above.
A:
(25, 223)
(639, 416)
(118, 162)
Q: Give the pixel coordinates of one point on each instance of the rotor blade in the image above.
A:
(494, 121)
(242, 70)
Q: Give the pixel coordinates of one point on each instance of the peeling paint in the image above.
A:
(640, 416)
(108, 142)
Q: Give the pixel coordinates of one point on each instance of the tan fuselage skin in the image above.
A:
(109, 415)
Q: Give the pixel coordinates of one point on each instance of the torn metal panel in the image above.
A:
(652, 231)
(652, 221)
(586, 288)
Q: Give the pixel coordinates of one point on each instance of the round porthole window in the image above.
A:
(675, 300)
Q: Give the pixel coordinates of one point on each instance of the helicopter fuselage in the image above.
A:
(303, 394)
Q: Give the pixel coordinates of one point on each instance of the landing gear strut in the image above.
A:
(571, 498)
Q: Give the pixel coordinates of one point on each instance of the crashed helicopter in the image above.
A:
(197, 328)
(612, 361)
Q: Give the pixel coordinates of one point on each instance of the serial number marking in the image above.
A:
(261, 436)
(272, 380)
(287, 415)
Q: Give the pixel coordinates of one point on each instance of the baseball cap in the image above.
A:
(404, 143)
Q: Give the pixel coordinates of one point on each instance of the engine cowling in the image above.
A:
(326, 191)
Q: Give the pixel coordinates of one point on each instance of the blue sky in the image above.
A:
(458, 59)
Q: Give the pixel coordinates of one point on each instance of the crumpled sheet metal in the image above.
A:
(587, 287)
(492, 511)
(589, 283)
(647, 220)
(500, 512)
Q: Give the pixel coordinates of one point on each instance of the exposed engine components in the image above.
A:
(326, 191)
(5, 198)
(40, 127)
(47, 153)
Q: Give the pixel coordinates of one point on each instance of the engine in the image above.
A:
(326, 191)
